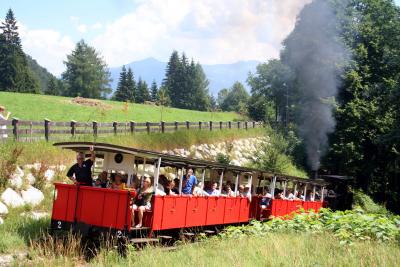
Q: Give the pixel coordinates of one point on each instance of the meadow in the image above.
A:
(56, 108)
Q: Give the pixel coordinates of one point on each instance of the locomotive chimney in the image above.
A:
(314, 174)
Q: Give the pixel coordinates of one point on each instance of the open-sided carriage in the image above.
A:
(92, 210)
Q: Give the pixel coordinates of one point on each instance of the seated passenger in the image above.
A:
(143, 201)
(266, 200)
(117, 182)
(279, 194)
(169, 188)
(102, 180)
(290, 195)
(175, 188)
(188, 183)
(198, 191)
(246, 191)
(228, 191)
(240, 192)
(309, 196)
(213, 190)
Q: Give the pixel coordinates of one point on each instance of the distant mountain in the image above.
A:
(42, 74)
(220, 75)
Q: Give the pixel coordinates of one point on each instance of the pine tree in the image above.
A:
(142, 91)
(87, 74)
(52, 87)
(172, 82)
(131, 85)
(15, 75)
(10, 29)
(122, 93)
(154, 91)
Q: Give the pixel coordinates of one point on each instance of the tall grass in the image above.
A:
(277, 249)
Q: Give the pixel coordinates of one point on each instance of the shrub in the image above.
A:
(8, 163)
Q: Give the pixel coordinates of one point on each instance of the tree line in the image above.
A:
(365, 143)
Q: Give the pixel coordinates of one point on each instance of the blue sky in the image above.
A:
(210, 31)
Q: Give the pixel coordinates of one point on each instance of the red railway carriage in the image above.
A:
(90, 209)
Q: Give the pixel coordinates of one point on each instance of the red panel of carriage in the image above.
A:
(232, 210)
(215, 210)
(64, 203)
(196, 211)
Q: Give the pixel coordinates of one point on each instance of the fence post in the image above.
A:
(95, 127)
(15, 128)
(73, 128)
(254, 124)
(199, 125)
(132, 126)
(229, 124)
(220, 125)
(187, 125)
(238, 124)
(47, 129)
(163, 126)
(211, 125)
(115, 125)
(245, 125)
(148, 127)
(176, 126)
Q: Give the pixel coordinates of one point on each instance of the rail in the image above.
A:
(21, 130)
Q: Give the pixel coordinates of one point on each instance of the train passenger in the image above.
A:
(189, 181)
(175, 187)
(290, 195)
(102, 180)
(198, 191)
(213, 191)
(143, 201)
(117, 182)
(169, 188)
(246, 192)
(240, 192)
(309, 196)
(279, 194)
(266, 200)
(81, 172)
(228, 191)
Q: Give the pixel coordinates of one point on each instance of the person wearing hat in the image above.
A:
(143, 201)
(81, 172)
(3, 118)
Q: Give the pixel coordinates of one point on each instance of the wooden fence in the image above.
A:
(47, 130)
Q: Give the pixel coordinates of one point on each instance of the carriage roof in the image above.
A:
(177, 161)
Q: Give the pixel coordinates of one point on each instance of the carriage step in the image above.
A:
(164, 237)
(209, 231)
(188, 234)
(168, 248)
(144, 240)
(140, 229)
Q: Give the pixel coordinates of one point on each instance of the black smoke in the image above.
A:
(316, 53)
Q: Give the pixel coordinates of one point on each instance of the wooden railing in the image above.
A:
(21, 130)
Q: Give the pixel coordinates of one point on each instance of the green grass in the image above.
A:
(55, 108)
(277, 249)
(42, 151)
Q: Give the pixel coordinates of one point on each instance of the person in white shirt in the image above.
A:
(3, 118)
(214, 191)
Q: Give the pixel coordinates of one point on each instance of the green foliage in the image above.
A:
(347, 226)
(43, 76)
(364, 202)
(126, 88)
(223, 159)
(234, 98)
(15, 74)
(87, 74)
(143, 93)
(52, 87)
(274, 155)
(154, 92)
(186, 83)
(269, 87)
(8, 162)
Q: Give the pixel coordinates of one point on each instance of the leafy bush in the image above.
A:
(365, 202)
(347, 226)
(223, 159)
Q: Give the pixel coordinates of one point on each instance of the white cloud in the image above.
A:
(96, 26)
(82, 28)
(210, 31)
(47, 46)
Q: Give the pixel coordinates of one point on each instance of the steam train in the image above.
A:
(92, 211)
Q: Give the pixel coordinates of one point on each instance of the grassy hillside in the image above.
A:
(55, 108)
